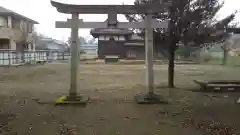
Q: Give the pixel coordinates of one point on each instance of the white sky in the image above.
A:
(46, 15)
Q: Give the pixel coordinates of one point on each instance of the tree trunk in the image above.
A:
(224, 59)
(172, 40)
(225, 54)
(171, 59)
(186, 50)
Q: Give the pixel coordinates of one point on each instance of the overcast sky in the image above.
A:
(46, 15)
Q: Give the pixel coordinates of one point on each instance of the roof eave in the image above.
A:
(26, 18)
(20, 16)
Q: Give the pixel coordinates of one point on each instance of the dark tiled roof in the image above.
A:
(4, 11)
(45, 44)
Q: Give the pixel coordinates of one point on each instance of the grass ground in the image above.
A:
(112, 110)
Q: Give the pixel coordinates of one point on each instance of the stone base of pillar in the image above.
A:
(111, 60)
(72, 100)
(150, 99)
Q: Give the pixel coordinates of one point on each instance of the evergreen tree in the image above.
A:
(191, 21)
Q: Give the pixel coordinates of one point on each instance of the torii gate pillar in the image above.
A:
(73, 97)
(149, 55)
(74, 56)
(150, 97)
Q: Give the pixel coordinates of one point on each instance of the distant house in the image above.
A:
(90, 50)
(16, 34)
(54, 49)
(51, 45)
(16, 31)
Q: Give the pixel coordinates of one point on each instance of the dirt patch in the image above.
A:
(112, 109)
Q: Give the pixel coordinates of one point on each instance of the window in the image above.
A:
(131, 54)
(32, 46)
(2, 22)
(29, 28)
(25, 46)
(121, 38)
(107, 37)
(101, 38)
(25, 27)
(22, 25)
(4, 46)
(115, 38)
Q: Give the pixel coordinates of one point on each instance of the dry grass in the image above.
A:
(113, 111)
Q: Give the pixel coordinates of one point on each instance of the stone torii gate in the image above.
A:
(112, 10)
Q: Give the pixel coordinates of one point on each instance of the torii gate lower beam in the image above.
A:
(81, 24)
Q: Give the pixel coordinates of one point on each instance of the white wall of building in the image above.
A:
(13, 45)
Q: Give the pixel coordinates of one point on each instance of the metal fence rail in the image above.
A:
(32, 57)
(57, 55)
(12, 57)
(9, 57)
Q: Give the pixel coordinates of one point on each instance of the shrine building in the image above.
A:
(120, 44)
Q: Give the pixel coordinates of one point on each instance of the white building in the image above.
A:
(90, 50)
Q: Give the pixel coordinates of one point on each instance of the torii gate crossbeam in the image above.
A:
(112, 11)
(156, 7)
